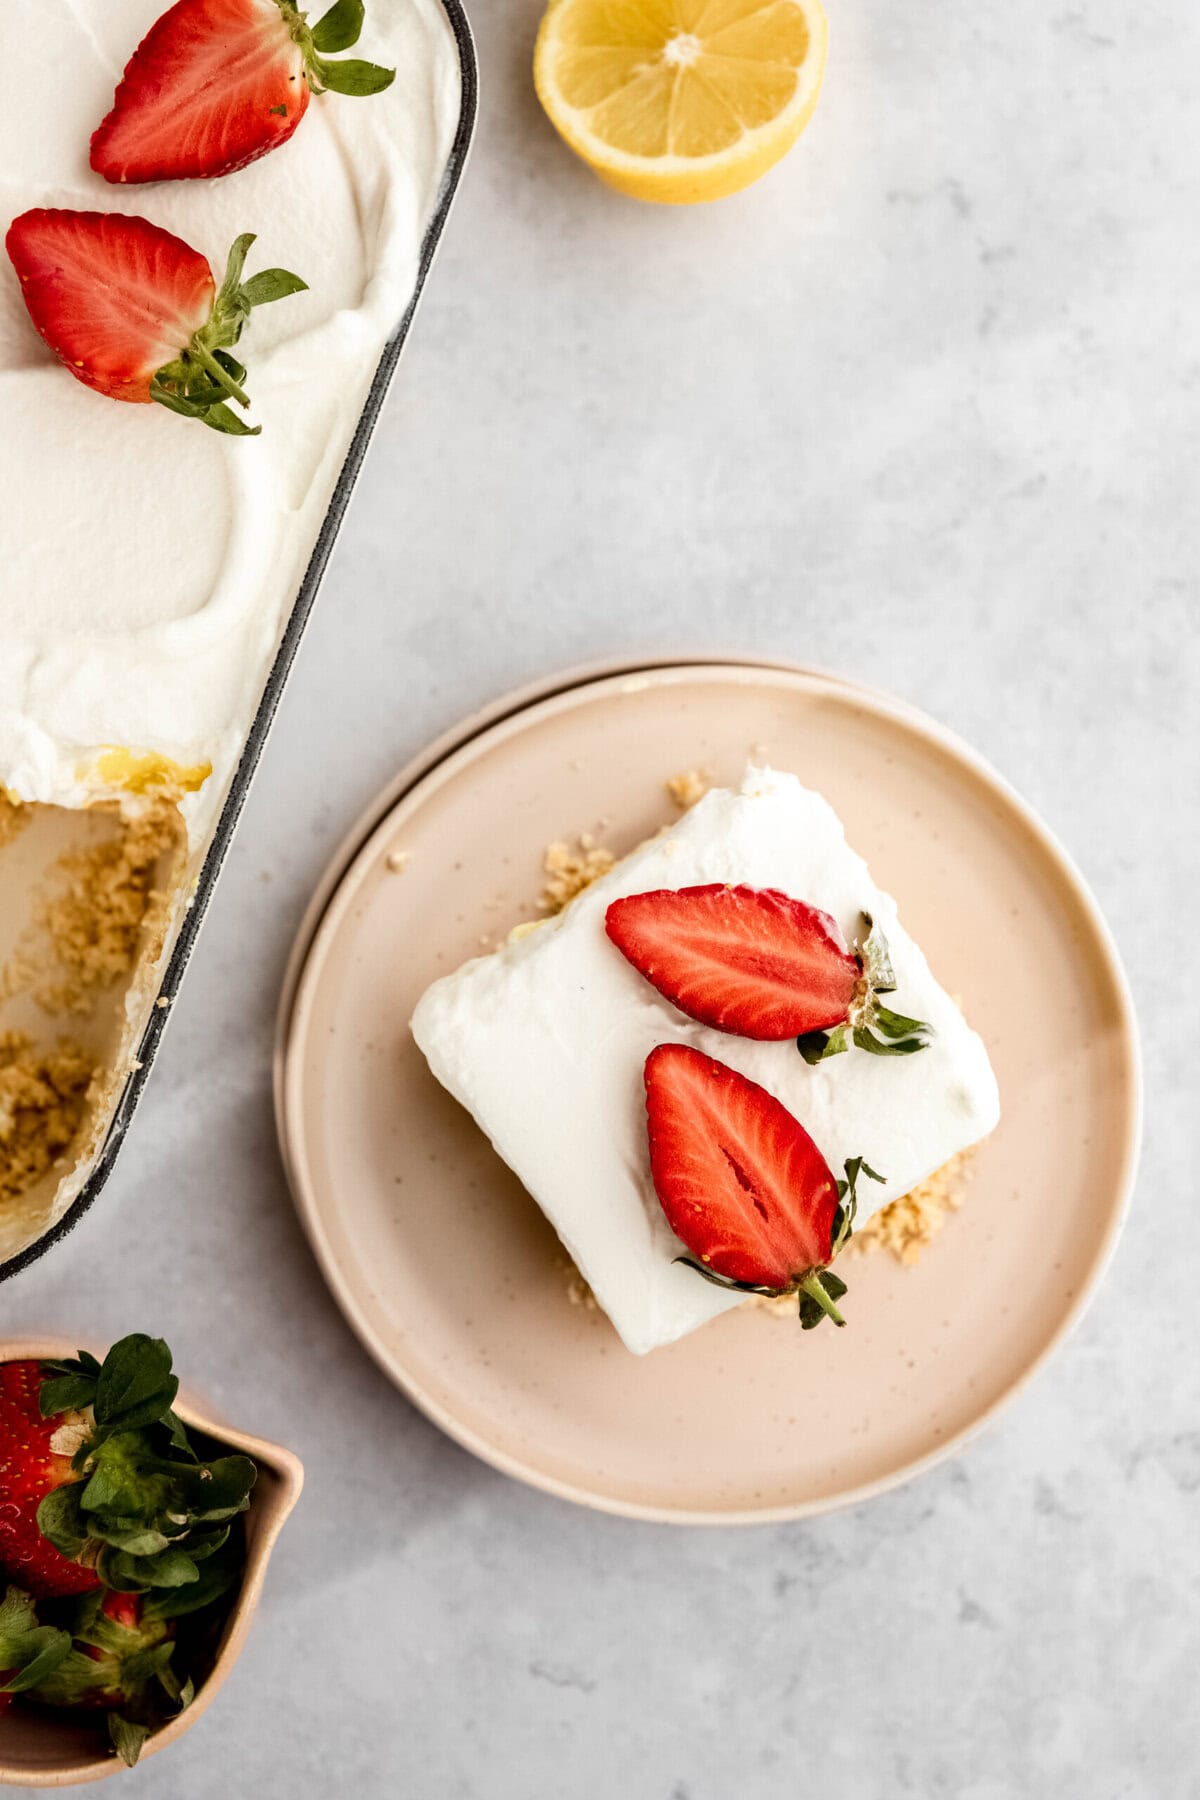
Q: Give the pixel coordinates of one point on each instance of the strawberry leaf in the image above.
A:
(60, 1519)
(46, 1647)
(212, 1490)
(69, 1385)
(66, 1393)
(726, 1281)
(131, 1574)
(83, 1364)
(230, 364)
(169, 1681)
(235, 262)
(133, 1379)
(817, 1046)
(222, 418)
(351, 76)
(178, 1437)
(215, 1578)
(268, 285)
(843, 1219)
(28, 1651)
(340, 28)
(865, 1040)
(208, 406)
(894, 1024)
(127, 1738)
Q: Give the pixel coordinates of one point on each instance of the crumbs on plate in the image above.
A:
(908, 1225)
(569, 870)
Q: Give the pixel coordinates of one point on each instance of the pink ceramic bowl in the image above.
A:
(41, 1751)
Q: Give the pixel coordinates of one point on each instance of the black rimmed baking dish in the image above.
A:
(289, 643)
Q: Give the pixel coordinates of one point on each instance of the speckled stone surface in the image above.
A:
(923, 407)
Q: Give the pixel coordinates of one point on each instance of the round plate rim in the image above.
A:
(504, 711)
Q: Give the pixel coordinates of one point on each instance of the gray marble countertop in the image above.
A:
(924, 407)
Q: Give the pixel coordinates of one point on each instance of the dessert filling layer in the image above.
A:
(86, 910)
(149, 562)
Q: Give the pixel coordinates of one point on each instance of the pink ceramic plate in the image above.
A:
(446, 1268)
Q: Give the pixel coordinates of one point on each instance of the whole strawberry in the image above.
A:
(742, 1184)
(215, 84)
(35, 1458)
(98, 1483)
(135, 313)
(119, 1660)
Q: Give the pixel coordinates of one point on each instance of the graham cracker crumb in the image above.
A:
(578, 1292)
(688, 787)
(98, 921)
(568, 871)
(42, 1099)
(909, 1225)
(14, 817)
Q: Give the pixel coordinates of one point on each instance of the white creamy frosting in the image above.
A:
(545, 1041)
(149, 563)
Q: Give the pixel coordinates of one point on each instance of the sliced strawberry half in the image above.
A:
(759, 964)
(742, 1184)
(135, 313)
(215, 84)
(747, 960)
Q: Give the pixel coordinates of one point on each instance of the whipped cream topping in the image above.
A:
(544, 1042)
(150, 563)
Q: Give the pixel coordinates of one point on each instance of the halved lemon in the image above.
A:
(680, 100)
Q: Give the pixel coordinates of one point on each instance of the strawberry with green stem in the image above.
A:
(118, 1661)
(120, 1657)
(135, 313)
(36, 1454)
(868, 1025)
(110, 1516)
(215, 84)
(757, 963)
(99, 1484)
(743, 1186)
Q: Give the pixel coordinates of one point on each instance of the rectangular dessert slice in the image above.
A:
(544, 1042)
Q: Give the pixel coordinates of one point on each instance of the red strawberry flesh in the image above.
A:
(740, 1181)
(29, 1469)
(213, 85)
(115, 297)
(122, 1609)
(750, 961)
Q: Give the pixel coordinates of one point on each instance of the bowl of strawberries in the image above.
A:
(134, 1538)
